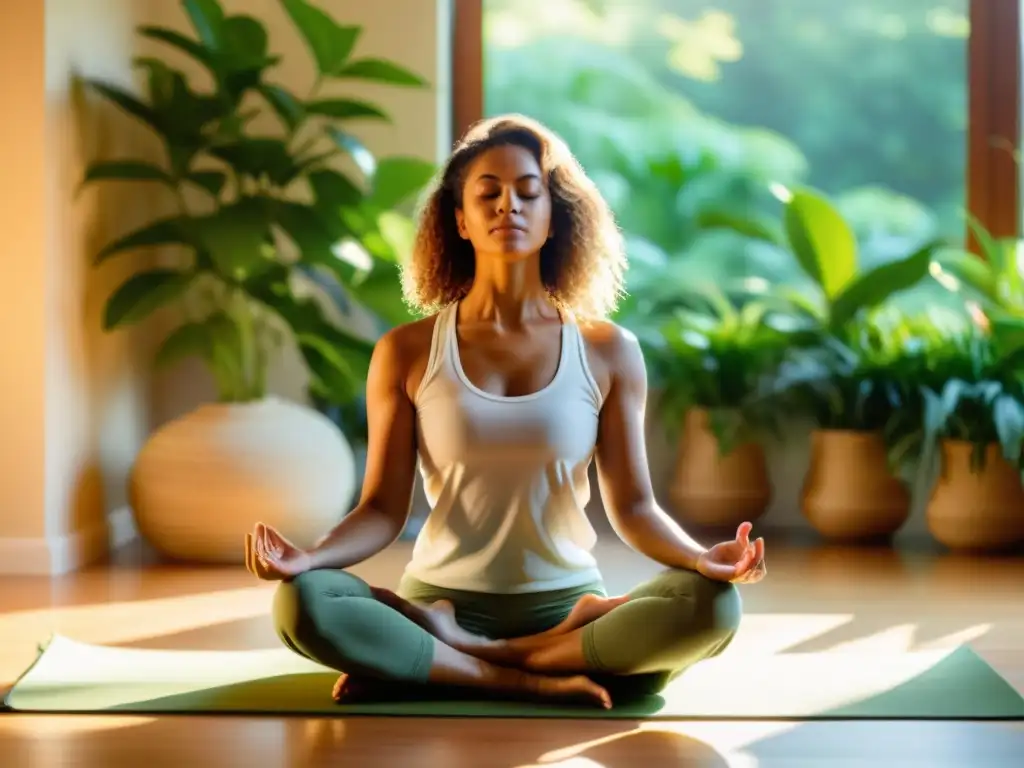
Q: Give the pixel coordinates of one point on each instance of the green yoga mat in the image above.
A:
(74, 677)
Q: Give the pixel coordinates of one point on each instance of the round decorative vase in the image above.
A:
(712, 490)
(849, 493)
(202, 481)
(976, 509)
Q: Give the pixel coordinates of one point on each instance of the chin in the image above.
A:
(512, 249)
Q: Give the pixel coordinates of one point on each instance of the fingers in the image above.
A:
(248, 554)
(743, 533)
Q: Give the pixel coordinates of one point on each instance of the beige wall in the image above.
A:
(23, 223)
(74, 405)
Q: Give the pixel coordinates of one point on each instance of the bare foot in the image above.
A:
(438, 618)
(348, 688)
(587, 609)
(576, 688)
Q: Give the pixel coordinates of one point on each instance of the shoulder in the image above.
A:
(614, 354)
(408, 339)
(404, 352)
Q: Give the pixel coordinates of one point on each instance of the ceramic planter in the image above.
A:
(849, 493)
(976, 509)
(715, 491)
(202, 481)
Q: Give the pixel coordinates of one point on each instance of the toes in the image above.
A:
(597, 692)
(339, 688)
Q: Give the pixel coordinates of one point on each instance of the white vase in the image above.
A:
(202, 481)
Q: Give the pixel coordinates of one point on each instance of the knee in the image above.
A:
(713, 606)
(301, 604)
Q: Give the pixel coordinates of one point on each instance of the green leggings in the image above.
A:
(670, 623)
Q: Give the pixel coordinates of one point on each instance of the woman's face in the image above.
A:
(506, 206)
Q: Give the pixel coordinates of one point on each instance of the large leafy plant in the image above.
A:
(718, 351)
(974, 393)
(857, 374)
(259, 217)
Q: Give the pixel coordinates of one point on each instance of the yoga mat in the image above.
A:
(70, 676)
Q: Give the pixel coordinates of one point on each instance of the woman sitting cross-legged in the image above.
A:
(501, 396)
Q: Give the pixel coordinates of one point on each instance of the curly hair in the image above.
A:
(582, 264)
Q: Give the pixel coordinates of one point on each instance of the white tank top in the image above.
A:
(506, 477)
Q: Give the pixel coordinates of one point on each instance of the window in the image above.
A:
(904, 113)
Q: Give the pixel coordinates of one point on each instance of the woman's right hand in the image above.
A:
(271, 557)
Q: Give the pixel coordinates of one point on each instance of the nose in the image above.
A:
(509, 202)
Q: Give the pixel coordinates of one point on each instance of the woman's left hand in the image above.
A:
(737, 561)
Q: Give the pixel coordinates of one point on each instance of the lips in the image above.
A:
(502, 228)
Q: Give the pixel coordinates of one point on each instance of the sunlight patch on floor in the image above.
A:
(722, 742)
(122, 622)
(47, 726)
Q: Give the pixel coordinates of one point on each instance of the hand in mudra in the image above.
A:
(737, 560)
(271, 557)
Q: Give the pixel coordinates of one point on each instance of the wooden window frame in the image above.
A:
(993, 88)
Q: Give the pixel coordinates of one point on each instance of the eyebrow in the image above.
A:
(492, 177)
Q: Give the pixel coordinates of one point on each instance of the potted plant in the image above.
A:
(974, 419)
(710, 356)
(255, 215)
(849, 383)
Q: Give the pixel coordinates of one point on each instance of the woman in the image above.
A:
(502, 395)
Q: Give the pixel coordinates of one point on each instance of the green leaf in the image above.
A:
(179, 41)
(207, 19)
(285, 104)
(822, 241)
(169, 231)
(125, 170)
(143, 293)
(380, 71)
(970, 270)
(313, 237)
(126, 102)
(185, 341)
(876, 285)
(348, 143)
(343, 109)
(259, 157)
(380, 291)
(1008, 416)
(748, 226)
(330, 43)
(237, 237)
(212, 181)
(397, 179)
(399, 232)
(227, 355)
(244, 43)
(984, 238)
(331, 377)
(333, 191)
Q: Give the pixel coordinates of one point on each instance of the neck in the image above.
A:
(508, 292)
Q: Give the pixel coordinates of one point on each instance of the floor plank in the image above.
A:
(816, 597)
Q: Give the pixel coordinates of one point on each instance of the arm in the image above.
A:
(386, 500)
(622, 462)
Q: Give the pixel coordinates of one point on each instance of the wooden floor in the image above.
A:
(913, 597)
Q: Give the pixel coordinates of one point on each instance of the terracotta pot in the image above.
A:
(849, 493)
(715, 491)
(976, 510)
(201, 482)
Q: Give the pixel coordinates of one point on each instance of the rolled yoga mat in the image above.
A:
(74, 677)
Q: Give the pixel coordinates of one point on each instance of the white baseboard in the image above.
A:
(53, 556)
